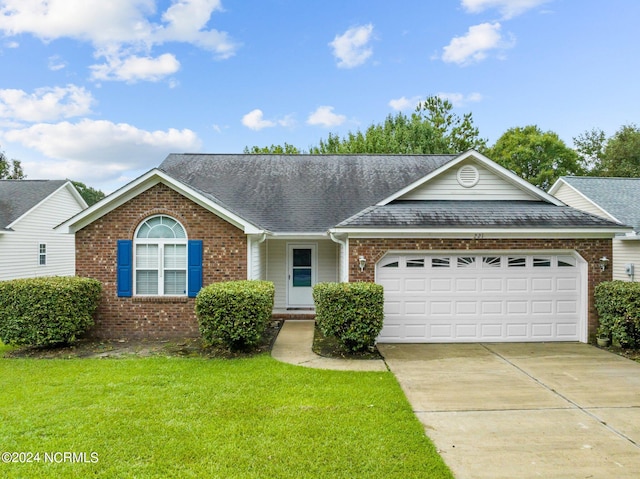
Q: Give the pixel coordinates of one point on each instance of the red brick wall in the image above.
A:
(590, 249)
(224, 259)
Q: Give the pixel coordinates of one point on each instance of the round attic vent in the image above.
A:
(468, 176)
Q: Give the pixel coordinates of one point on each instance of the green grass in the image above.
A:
(181, 418)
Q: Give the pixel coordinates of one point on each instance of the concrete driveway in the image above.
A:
(564, 410)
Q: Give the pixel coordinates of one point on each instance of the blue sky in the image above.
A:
(102, 90)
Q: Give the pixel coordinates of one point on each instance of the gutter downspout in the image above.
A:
(343, 275)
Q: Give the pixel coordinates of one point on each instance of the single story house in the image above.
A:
(616, 199)
(29, 212)
(466, 250)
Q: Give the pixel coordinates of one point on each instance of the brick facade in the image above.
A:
(591, 250)
(224, 259)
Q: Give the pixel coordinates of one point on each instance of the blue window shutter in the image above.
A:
(125, 268)
(195, 267)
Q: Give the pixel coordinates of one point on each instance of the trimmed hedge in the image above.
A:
(352, 312)
(618, 305)
(235, 312)
(47, 311)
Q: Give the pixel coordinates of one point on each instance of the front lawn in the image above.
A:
(189, 417)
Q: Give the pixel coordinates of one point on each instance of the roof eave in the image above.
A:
(481, 233)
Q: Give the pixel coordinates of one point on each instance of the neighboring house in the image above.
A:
(616, 199)
(466, 250)
(29, 212)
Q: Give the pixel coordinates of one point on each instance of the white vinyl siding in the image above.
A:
(571, 197)
(625, 252)
(19, 249)
(276, 267)
(489, 187)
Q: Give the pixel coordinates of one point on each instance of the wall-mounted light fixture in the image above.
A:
(604, 261)
(362, 262)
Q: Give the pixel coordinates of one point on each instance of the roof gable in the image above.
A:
(492, 182)
(617, 198)
(300, 193)
(143, 183)
(19, 197)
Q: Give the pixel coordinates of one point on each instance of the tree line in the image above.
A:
(538, 156)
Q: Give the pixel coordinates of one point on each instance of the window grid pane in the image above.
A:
(147, 256)
(175, 256)
(146, 282)
(175, 282)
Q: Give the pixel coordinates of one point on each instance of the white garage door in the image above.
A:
(489, 297)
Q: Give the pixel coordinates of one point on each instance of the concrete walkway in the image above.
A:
(293, 345)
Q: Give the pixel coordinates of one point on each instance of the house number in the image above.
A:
(478, 236)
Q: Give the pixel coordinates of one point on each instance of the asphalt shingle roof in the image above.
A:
(299, 193)
(19, 196)
(619, 197)
(470, 214)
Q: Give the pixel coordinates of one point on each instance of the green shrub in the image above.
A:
(47, 311)
(618, 305)
(352, 312)
(236, 312)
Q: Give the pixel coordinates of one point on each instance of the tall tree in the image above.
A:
(590, 147)
(538, 157)
(621, 155)
(10, 169)
(398, 134)
(431, 128)
(459, 134)
(90, 195)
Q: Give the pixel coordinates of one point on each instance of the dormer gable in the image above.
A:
(472, 176)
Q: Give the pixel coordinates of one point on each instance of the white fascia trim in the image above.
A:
(556, 186)
(143, 183)
(489, 164)
(479, 233)
(298, 235)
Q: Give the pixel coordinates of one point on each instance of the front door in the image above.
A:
(301, 275)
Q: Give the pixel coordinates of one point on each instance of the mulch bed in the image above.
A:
(329, 347)
(122, 348)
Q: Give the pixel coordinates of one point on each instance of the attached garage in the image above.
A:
(483, 297)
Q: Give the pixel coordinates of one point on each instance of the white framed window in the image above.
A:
(160, 258)
(42, 254)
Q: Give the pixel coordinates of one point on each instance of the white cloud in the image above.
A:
(255, 121)
(135, 68)
(100, 153)
(460, 99)
(119, 30)
(475, 45)
(56, 63)
(351, 48)
(324, 116)
(404, 103)
(507, 8)
(45, 104)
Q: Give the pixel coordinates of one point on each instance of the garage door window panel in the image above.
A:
(539, 262)
(466, 261)
(517, 262)
(491, 261)
(440, 262)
